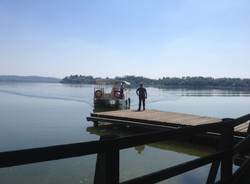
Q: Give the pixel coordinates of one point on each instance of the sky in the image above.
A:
(151, 38)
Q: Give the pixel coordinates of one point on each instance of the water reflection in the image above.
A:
(140, 149)
(41, 114)
(164, 154)
(175, 146)
(209, 92)
(184, 147)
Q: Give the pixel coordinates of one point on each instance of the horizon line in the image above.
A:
(44, 76)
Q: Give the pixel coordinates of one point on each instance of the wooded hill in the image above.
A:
(168, 82)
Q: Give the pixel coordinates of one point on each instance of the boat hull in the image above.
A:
(114, 103)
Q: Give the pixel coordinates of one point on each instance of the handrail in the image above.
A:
(242, 146)
(28, 156)
(176, 170)
(242, 174)
(241, 120)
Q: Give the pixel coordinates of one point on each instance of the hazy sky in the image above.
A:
(153, 38)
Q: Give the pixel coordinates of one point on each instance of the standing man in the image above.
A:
(122, 91)
(142, 94)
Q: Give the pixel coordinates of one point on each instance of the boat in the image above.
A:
(110, 93)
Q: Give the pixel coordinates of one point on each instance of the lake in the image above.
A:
(45, 114)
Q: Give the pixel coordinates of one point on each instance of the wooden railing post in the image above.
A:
(96, 123)
(227, 145)
(108, 164)
(213, 172)
(112, 166)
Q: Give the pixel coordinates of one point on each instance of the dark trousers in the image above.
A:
(141, 100)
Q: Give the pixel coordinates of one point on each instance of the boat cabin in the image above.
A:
(112, 93)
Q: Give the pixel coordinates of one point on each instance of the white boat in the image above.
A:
(116, 97)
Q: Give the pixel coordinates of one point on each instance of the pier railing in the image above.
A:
(110, 148)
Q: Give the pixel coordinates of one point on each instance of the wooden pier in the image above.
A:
(159, 119)
(108, 149)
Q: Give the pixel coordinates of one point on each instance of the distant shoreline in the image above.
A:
(195, 83)
(185, 83)
(40, 79)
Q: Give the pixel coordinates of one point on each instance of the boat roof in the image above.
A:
(126, 83)
(111, 82)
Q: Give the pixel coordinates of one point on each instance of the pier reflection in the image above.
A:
(178, 146)
(184, 146)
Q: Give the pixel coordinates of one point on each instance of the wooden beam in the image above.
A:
(175, 170)
(241, 176)
(227, 161)
(20, 157)
(133, 123)
(213, 172)
(28, 156)
(107, 164)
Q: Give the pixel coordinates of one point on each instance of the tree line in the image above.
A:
(169, 82)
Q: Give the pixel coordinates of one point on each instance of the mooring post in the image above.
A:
(108, 164)
(227, 145)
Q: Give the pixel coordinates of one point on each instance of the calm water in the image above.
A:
(35, 115)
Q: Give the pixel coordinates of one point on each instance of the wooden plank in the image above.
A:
(142, 120)
(240, 134)
(134, 124)
(159, 116)
(241, 126)
(241, 129)
(151, 115)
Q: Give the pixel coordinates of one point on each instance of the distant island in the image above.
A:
(168, 82)
(15, 78)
